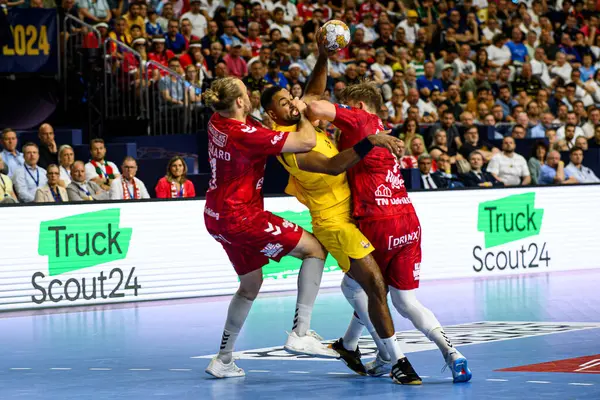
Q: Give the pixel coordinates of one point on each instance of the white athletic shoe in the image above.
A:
(378, 366)
(309, 345)
(459, 367)
(219, 369)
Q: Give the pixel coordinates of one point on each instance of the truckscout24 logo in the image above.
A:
(78, 242)
(504, 221)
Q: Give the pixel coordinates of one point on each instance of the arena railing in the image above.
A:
(78, 43)
(175, 104)
(125, 89)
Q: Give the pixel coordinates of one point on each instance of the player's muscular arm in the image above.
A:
(317, 162)
(317, 82)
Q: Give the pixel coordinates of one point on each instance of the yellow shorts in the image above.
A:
(342, 239)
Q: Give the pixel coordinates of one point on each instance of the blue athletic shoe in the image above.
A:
(459, 367)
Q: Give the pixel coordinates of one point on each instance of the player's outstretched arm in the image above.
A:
(317, 162)
(305, 137)
(317, 81)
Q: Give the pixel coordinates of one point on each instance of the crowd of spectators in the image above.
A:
(46, 173)
(446, 68)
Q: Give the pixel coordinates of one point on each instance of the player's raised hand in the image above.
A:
(383, 139)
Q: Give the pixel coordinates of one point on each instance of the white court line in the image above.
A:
(180, 369)
(424, 376)
(259, 370)
(339, 373)
(538, 382)
(581, 384)
(298, 372)
(496, 380)
(20, 369)
(139, 369)
(449, 377)
(60, 369)
(100, 369)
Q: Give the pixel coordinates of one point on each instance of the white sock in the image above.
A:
(359, 301)
(393, 348)
(406, 303)
(353, 333)
(438, 336)
(236, 315)
(309, 281)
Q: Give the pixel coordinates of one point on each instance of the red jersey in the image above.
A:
(368, 8)
(238, 155)
(376, 182)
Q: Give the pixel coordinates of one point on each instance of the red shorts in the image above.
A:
(262, 237)
(397, 243)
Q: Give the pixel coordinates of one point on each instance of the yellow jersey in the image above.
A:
(324, 195)
(328, 199)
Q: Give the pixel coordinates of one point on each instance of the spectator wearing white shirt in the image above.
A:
(208, 7)
(199, 23)
(368, 27)
(381, 71)
(592, 122)
(98, 170)
(279, 23)
(66, 157)
(539, 67)
(7, 193)
(508, 166)
(561, 68)
(413, 99)
(410, 26)
(491, 29)
(127, 186)
(576, 168)
(29, 178)
(498, 52)
(13, 158)
(290, 12)
(572, 119)
(464, 68)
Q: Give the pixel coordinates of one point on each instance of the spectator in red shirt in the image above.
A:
(175, 184)
(305, 9)
(236, 65)
(159, 54)
(371, 7)
(253, 43)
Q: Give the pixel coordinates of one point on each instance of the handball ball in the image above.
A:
(335, 35)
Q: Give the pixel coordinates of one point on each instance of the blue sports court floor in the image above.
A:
(160, 349)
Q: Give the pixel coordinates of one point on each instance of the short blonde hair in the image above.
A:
(366, 92)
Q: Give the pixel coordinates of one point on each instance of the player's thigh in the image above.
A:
(366, 272)
(343, 240)
(308, 246)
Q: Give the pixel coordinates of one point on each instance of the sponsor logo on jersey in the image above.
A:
(383, 191)
(211, 213)
(220, 238)
(277, 138)
(271, 250)
(219, 138)
(260, 183)
(395, 180)
(364, 244)
(345, 106)
(417, 271)
(395, 242)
